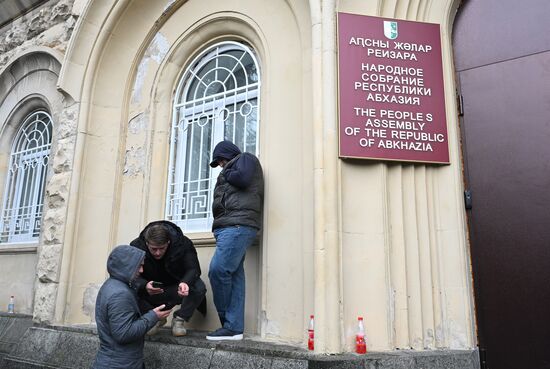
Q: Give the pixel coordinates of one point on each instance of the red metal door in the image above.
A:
(502, 58)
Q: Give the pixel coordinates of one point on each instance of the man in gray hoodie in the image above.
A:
(120, 326)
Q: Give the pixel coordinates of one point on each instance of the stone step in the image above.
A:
(56, 347)
(12, 328)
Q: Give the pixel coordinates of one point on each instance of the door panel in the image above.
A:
(507, 134)
(506, 147)
(497, 30)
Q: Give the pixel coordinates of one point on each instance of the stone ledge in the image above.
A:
(75, 347)
(19, 248)
(12, 328)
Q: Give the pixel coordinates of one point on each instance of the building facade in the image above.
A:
(109, 111)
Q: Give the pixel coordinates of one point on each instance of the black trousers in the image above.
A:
(195, 300)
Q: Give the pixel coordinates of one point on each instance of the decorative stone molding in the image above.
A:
(55, 214)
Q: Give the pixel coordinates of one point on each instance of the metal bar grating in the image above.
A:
(26, 180)
(216, 99)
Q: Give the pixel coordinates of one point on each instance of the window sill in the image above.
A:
(206, 239)
(202, 239)
(18, 248)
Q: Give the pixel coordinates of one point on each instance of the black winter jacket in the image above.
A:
(239, 193)
(180, 260)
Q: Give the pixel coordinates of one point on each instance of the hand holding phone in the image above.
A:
(154, 288)
(155, 284)
(161, 312)
(167, 306)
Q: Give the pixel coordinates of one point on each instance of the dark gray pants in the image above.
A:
(195, 300)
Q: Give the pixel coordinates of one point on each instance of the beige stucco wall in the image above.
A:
(18, 269)
(128, 113)
(405, 262)
(340, 239)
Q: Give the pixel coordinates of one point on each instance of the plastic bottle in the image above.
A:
(11, 305)
(360, 344)
(310, 334)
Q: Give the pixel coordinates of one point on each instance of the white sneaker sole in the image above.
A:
(236, 337)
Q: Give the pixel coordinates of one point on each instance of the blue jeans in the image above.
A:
(227, 274)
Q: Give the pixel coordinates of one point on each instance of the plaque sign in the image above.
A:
(391, 93)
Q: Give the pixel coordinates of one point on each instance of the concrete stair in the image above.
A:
(55, 347)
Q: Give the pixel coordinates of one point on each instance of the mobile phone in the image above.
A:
(168, 306)
(157, 284)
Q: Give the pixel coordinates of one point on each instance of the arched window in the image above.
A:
(216, 99)
(26, 180)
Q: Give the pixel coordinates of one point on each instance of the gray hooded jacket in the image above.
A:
(120, 326)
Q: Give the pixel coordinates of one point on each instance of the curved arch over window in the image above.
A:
(26, 180)
(216, 99)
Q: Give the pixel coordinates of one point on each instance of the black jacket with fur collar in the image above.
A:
(180, 260)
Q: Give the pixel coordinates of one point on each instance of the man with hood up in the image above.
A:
(237, 211)
(120, 326)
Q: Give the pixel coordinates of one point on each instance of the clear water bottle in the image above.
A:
(310, 334)
(11, 305)
(360, 343)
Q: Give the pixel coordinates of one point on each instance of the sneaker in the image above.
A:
(224, 334)
(156, 327)
(178, 329)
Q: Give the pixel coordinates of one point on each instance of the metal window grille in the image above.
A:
(26, 180)
(216, 99)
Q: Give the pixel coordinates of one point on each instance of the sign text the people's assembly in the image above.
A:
(391, 96)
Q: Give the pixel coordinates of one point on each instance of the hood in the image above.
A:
(224, 150)
(124, 261)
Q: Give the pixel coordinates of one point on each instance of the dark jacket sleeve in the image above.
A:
(140, 284)
(241, 172)
(190, 262)
(124, 326)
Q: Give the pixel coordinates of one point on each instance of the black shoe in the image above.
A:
(224, 334)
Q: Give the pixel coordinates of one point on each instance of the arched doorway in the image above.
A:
(502, 57)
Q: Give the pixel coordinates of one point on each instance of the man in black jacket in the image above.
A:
(237, 211)
(171, 274)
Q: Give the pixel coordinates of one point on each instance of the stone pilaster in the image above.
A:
(55, 215)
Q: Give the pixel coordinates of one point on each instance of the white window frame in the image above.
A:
(191, 113)
(23, 199)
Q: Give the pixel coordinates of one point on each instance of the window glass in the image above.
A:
(217, 98)
(26, 179)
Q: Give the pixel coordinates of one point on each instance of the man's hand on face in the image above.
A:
(183, 289)
(152, 290)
